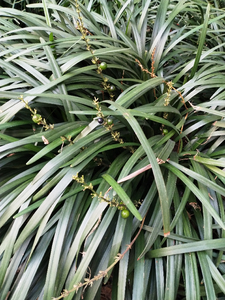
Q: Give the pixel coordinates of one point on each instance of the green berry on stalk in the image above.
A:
(103, 65)
(121, 206)
(165, 131)
(109, 121)
(112, 88)
(125, 213)
(36, 118)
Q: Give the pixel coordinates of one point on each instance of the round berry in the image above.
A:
(36, 118)
(165, 131)
(100, 120)
(112, 88)
(103, 65)
(125, 213)
(109, 121)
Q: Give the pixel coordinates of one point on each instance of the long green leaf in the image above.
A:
(123, 196)
(188, 247)
(201, 41)
(219, 279)
(199, 177)
(198, 194)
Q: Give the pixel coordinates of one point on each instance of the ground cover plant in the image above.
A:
(112, 150)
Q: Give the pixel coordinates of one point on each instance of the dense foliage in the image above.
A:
(112, 150)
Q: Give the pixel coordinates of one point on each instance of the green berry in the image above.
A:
(109, 121)
(112, 88)
(125, 213)
(36, 118)
(121, 206)
(51, 37)
(165, 131)
(103, 65)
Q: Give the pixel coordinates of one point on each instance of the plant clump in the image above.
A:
(112, 150)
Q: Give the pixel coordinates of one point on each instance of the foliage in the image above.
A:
(79, 143)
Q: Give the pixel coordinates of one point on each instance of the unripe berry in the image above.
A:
(103, 65)
(36, 118)
(125, 213)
